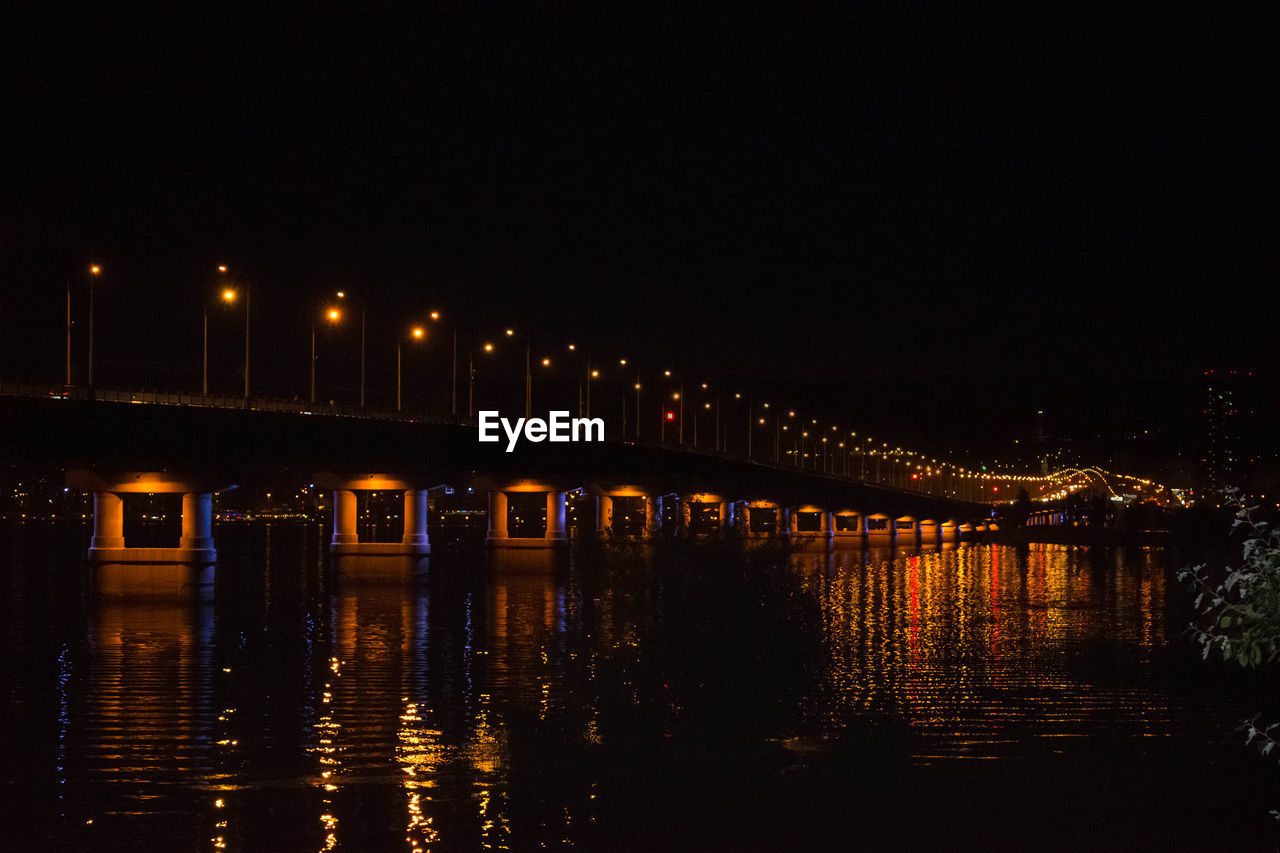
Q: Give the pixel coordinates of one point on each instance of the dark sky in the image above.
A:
(914, 218)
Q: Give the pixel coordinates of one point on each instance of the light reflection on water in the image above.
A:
(500, 713)
(979, 648)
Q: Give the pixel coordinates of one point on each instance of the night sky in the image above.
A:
(918, 221)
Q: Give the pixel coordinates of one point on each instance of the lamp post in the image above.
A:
(718, 442)
(680, 397)
(528, 371)
(228, 295)
(94, 272)
(637, 407)
(363, 315)
(622, 405)
(246, 344)
(333, 315)
(471, 375)
(453, 365)
(68, 379)
(416, 334)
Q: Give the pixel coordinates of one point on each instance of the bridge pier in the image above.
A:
(604, 517)
(376, 562)
(124, 572)
(622, 522)
(820, 539)
(849, 528)
(929, 532)
(755, 521)
(880, 530)
(652, 519)
(906, 531)
(554, 533)
(691, 513)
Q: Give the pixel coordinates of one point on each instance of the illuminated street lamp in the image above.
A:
(528, 370)
(333, 315)
(637, 407)
(417, 333)
(471, 376)
(94, 272)
(364, 305)
(228, 295)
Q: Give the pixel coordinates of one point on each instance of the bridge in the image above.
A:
(113, 444)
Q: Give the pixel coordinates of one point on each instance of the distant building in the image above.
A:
(1228, 418)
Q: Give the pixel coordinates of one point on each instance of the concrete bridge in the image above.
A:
(641, 491)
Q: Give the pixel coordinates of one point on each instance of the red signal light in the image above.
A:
(671, 416)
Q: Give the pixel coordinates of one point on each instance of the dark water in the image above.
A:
(976, 698)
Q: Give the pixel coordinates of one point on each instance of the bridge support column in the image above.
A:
(497, 515)
(345, 531)
(725, 522)
(108, 522)
(651, 518)
(415, 521)
(197, 522)
(604, 516)
(555, 518)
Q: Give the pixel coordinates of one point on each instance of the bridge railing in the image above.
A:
(179, 398)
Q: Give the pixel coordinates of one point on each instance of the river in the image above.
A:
(643, 698)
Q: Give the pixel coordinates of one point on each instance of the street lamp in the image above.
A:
(417, 333)
(94, 272)
(637, 408)
(333, 315)
(363, 312)
(228, 295)
(471, 376)
(584, 392)
(528, 372)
